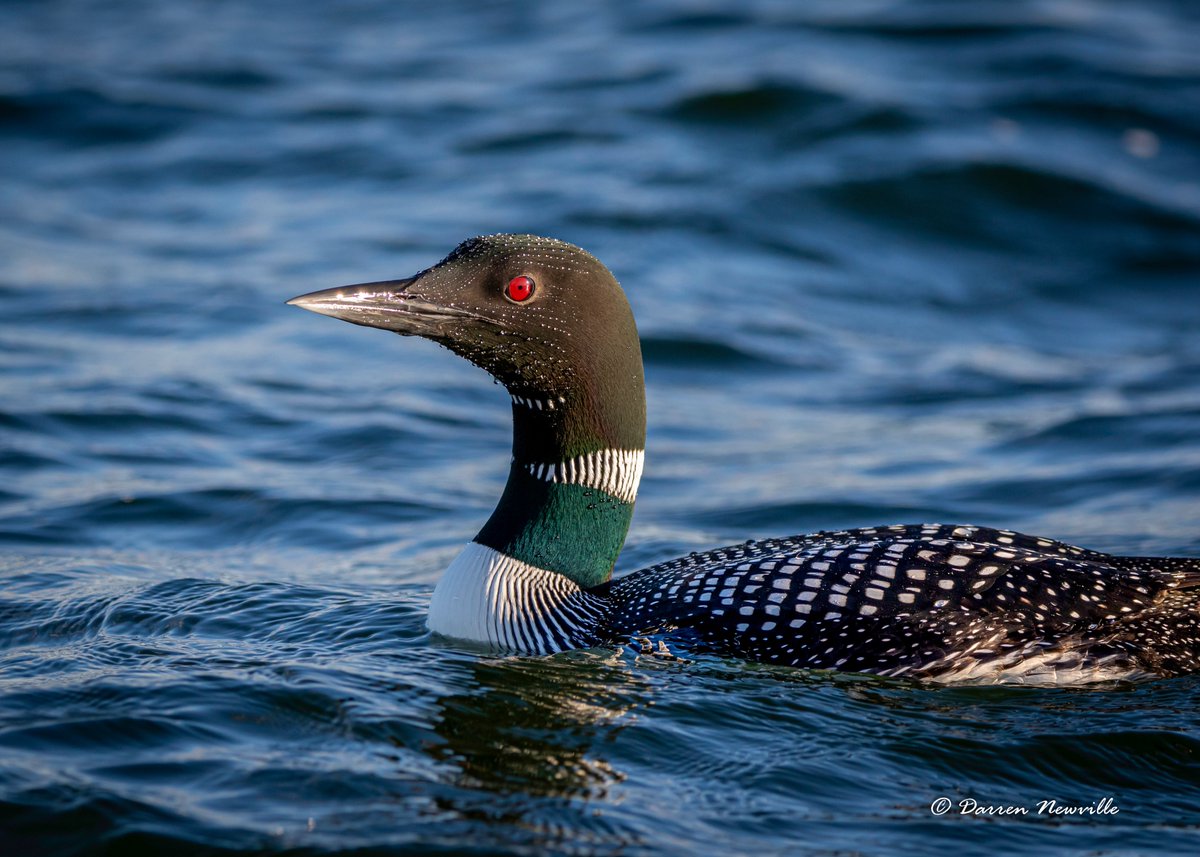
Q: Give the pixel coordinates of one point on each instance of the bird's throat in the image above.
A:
(569, 517)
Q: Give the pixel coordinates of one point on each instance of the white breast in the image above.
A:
(488, 597)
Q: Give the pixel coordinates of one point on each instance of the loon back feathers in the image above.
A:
(956, 603)
(928, 601)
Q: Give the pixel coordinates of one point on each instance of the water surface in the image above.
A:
(892, 262)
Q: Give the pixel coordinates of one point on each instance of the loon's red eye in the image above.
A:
(519, 289)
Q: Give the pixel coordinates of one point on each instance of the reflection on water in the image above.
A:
(533, 725)
(529, 738)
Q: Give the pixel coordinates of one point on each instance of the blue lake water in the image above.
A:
(892, 262)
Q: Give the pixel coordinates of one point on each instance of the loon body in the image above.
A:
(928, 601)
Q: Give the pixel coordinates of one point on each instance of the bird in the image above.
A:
(928, 602)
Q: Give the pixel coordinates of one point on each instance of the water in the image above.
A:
(892, 262)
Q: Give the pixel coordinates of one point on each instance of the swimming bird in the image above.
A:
(946, 603)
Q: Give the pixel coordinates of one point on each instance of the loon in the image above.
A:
(943, 603)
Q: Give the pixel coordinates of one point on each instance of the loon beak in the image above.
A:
(388, 304)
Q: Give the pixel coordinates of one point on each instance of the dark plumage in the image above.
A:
(928, 601)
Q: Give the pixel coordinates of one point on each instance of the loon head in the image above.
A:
(545, 318)
(551, 324)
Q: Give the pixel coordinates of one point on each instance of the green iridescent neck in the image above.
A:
(575, 530)
(572, 485)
